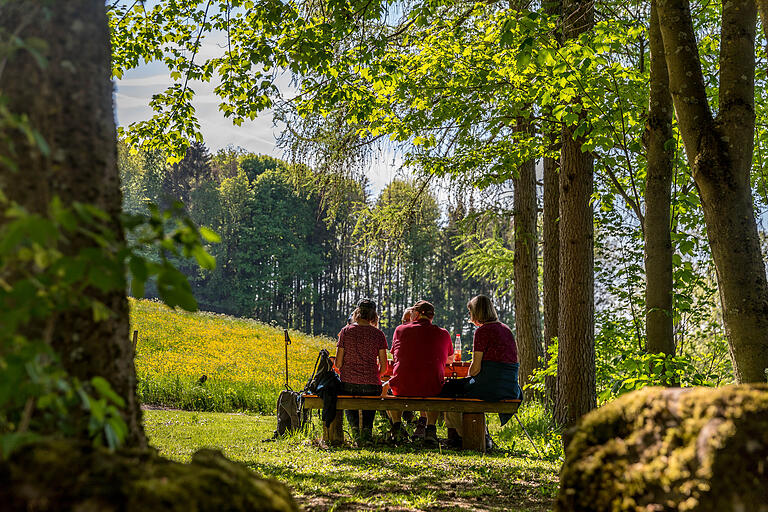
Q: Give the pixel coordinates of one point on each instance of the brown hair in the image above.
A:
(407, 315)
(365, 311)
(424, 308)
(481, 309)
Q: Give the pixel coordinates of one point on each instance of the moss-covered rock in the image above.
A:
(694, 449)
(66, 475)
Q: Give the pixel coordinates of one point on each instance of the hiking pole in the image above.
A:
(527, 435)
(287, 342)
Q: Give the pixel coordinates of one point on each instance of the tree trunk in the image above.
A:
(551, 263)
(576, 347)
(69, 102)
(719, 151)
(658, 192)
(526, 272)
(762, 7)
(551, 233)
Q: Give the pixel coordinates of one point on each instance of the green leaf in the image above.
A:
(15, 440)
(204, 259)
(100, 311)
(104, 389)
(209, 235)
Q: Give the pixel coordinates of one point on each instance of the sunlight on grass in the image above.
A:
(404, 478)
(241, 359)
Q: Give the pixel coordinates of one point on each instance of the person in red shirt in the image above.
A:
(493, 372)
(361, 357)
(420, 351)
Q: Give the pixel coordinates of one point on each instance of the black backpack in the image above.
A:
(326, 384)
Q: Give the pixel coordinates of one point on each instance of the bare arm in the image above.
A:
(382, 361)
(451, 357)
(339, 357)
(477, 361)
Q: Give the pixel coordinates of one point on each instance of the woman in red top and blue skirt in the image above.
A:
(361, 357)
(494, 368)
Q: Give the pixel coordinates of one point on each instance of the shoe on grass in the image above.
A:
(454, 441)
(430, 437)
(366, 437)
(398, 435)
(420, 432)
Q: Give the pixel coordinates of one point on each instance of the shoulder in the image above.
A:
(376, 332)
(440, 334)
(506, 329)
(483, 329)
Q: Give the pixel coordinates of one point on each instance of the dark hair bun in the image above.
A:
(367, 304)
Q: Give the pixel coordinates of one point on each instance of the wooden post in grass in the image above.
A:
(135, 341)
(473, 434)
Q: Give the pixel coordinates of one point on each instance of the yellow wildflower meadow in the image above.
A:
(175, 348)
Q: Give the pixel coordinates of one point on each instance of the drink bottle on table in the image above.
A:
(457, 348)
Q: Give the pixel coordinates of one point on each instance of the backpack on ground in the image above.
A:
(290, 412)
(290, 404)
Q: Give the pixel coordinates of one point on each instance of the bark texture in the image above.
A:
(719, 151)
(576, 393)
(526, 272)
(691, 449)
(550, 232)
(658, 196)
(69, 102)
(551, 263)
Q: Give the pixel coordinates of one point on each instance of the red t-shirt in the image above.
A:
(496, 341)
(419, 350)
(361, 344)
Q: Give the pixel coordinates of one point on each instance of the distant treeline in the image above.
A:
(295, 257)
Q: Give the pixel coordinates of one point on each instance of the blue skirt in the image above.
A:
(496, 381)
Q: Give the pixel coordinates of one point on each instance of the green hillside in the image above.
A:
(243, 360)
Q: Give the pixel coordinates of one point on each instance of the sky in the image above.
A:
(134, 91)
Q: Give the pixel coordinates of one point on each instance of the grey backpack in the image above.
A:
(290, 414)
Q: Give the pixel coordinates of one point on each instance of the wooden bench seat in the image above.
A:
(473, 420)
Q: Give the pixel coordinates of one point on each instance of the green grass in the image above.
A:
(217, 395)
(379, 478)
(243, 360)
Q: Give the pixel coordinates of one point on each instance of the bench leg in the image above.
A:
(473, 435)
(334, 435)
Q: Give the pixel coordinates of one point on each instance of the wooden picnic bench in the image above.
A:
(473, 420)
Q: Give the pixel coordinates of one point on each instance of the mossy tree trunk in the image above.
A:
(576, 393)
(658, 196)
(68, 100)
(719, 150)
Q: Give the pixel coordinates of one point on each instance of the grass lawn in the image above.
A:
(242, 359)
(381, 478)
